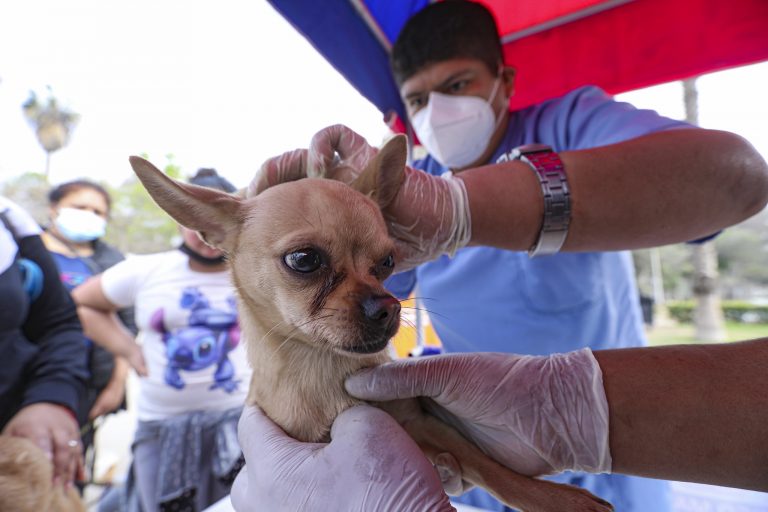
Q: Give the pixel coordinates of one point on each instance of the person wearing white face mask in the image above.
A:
(457, 129)
(78, 213)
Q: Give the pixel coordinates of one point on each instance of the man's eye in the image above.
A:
(304, 260)
(416, 103)
(457, 86)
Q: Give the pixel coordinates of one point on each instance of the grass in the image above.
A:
(673, 334)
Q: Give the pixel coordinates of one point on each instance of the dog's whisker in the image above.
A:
(431, 312)
(278, 324)
(291, 334)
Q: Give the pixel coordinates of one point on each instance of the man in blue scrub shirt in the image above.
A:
(492, 300)
(495, 297)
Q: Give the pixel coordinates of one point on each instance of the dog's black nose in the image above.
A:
(381, 309)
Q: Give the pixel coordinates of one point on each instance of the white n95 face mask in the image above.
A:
(456, 130)
(80, 226)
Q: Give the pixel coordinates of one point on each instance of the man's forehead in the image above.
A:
(437, 73)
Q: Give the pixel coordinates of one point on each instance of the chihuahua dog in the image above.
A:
(308, 259)
(26, 480)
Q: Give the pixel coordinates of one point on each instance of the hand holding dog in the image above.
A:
(355, 471)
(54, 429)
(534, 414)
(428, 217)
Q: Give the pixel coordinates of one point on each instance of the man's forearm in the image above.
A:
(663, 188)
(690, 412)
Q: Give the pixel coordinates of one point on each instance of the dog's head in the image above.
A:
(307, 257)
(26, 480)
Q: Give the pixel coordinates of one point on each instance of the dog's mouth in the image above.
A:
(373, 339)
(368, 347)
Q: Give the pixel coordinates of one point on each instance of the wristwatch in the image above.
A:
(557, 197)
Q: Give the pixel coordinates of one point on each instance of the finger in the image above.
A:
(402, 379)
(97, 410)
(80, 470)
(44, 441)
(66, 449)
(141, 366)
(322, 150)
(290, 166)
(327, 143)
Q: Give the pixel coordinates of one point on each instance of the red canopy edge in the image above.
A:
(638, 44)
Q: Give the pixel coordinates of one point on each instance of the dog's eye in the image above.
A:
(384, 268)
(304, 261)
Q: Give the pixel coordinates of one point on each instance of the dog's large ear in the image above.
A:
(382, 177)
(212, 213)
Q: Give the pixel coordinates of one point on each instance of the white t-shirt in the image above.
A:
(188, 329)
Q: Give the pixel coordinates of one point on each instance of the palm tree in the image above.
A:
(708, 316)
(52, 124)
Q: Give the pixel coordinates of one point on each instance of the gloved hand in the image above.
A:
(428, 217)
(371, 464)
(534, 414)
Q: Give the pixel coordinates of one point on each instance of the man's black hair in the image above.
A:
(207, 177)
(61, 191)
(446, 30)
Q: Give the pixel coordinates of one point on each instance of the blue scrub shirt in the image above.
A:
(492, 300)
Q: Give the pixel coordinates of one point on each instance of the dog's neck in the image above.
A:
(298, 384)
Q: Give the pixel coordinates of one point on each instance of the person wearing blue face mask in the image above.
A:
(78, 213)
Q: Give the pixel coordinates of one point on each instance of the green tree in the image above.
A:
(138, 225)
(53, 123)
(30, 191)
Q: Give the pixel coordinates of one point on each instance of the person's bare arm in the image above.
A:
(101, 324)
(658, 189)
(113, 394)
(694, 413)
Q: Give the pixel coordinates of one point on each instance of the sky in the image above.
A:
(223, 84)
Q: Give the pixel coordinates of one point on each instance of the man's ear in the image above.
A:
(508, 74)
(382, 177)
(212, 213)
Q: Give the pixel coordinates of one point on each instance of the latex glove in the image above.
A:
(428, 217)
(370, 465)
(54, 429)
(534, 414)
(336, 152)
(290, 166)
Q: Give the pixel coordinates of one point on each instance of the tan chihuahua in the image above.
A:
(26, 480)
(308, 259)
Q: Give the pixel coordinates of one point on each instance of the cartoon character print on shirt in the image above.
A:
(211, 335)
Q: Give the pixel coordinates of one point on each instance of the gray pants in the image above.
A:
(184, 464)
(146, 468)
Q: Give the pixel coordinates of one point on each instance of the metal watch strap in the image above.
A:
(557, 197)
